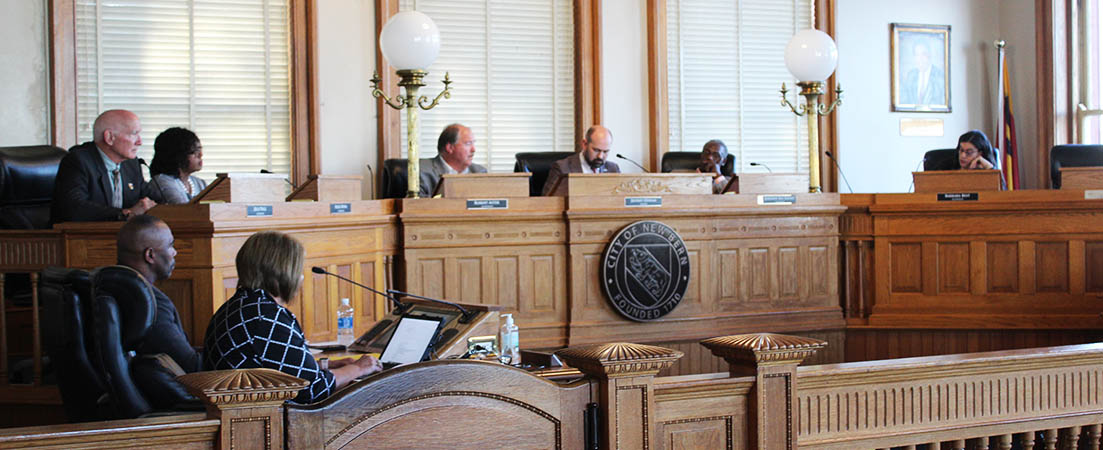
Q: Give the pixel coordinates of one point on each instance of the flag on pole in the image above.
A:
(1007, 134)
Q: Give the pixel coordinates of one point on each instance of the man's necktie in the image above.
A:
(117, 191)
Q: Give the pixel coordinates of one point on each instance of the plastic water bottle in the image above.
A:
(344, 323)
(509, 342)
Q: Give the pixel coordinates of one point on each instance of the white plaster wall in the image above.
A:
(23, 74)
(624, 103)
(347, 111)
(871, 151)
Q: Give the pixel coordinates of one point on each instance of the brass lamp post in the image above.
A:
(811, 55)
(410, 42)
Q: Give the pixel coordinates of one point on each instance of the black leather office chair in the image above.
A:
(65, 332)
(123, 313)
(940, 159)
(394, 178)
(538, 164)
(27, 184)
(688, 162)
(1072, 155)
(943, 159)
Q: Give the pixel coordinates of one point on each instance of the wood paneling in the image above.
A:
(542, 258)
(870, 343)
(1093, 263)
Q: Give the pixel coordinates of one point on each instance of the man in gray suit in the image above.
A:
(592, 158)
(455, 150)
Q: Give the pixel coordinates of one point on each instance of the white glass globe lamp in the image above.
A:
(811, 55)
(410, 41)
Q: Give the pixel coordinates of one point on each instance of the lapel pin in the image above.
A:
(130, 186)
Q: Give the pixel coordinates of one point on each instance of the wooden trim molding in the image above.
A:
(1056, 83)
(658, 115)
(658, 119)
(305, 159)
(587, 65)
(63, 73)
(587, 46)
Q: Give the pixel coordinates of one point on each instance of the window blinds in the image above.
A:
(512, 67)
(219, 68)
(725, 64)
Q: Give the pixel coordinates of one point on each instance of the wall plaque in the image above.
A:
(645, 270)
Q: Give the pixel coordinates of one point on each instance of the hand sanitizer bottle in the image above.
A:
(509, 351)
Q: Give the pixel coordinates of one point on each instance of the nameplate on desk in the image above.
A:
(777, 199)
(1093, 194)
(340, 208)
(958, 197)
(643, 202)
(488, 203)
(258, 211)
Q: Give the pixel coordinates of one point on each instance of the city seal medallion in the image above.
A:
(645, 270)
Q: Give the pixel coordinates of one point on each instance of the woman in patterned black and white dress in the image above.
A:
(177, 154)
(254, 329)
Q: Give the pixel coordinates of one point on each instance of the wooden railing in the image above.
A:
(1038, 398)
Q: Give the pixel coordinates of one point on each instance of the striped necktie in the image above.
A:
(117, 191)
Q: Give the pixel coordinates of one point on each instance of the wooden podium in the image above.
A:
(1082, 177)
(245, 188)
(633, 184)
(768, 183)
(956, 181)
(328, 188)
(483, 185)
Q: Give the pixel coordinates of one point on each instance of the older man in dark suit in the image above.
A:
(102, 180)
(455, 152)
(592, 158)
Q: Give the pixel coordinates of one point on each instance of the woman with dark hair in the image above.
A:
(974, 152)
(177, 154)
(254, 328)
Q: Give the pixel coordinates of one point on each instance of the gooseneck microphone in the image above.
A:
(633, 162)
(465, 315)
(398, 306)
(152, 178)
(372, 182)
(757, 164)
(837, 166)
(269, 172)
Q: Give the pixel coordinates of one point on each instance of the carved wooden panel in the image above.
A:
(1093, 266)
(872, 404)
(1051, 267)
(789, 273)
(866, 344)
(758, 274)
(729, 274)
(1003, 267)
(953, 268)
(699, 432)
(429, 278)
(820, 271)
(906, 270)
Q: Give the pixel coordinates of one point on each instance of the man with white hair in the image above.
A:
(101, 179)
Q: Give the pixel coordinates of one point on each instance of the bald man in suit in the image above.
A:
(591, 158)
(455, 152)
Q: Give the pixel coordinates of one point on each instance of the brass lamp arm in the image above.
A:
(824, 110)
(798, 110)
(446, 93)
(396, 103)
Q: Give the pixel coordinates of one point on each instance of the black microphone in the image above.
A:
(153, 178)
(633, 162)
(921, 162)
(372, 182)
(399, 306)
(465, 316)
(269, 172)
(756, 164)
(837, 166)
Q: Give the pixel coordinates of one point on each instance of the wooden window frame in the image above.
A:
(658, 98)
(587, 82)
(305, 160)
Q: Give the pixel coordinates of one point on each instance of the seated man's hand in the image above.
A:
(140, 208)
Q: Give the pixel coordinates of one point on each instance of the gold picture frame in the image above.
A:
(920, 68)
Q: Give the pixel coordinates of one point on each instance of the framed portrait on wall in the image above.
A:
(920, 68)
